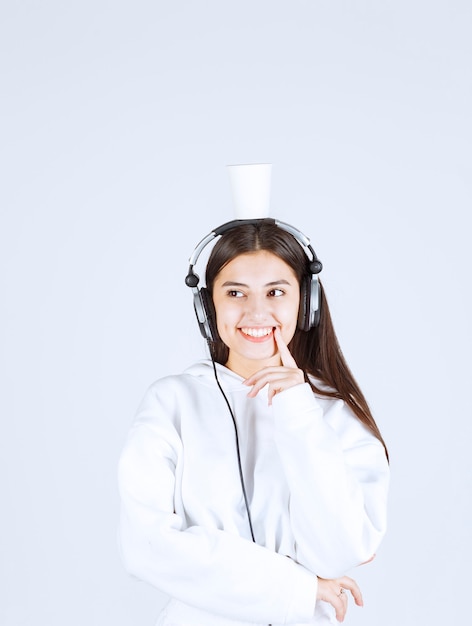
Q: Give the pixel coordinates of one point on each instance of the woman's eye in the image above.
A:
(276, 292)
(233, 293)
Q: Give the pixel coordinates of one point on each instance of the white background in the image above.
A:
(117, 121)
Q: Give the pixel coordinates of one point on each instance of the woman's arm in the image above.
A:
(336, 469)
(203, 567)
(338, 476)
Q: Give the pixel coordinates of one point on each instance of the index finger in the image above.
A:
(285, 355)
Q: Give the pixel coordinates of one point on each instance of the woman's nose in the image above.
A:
(257, 308)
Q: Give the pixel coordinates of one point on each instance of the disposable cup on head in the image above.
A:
(250, 188)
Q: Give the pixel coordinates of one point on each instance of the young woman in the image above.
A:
(254, 481)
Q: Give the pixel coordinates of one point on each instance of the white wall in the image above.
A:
(117, 121)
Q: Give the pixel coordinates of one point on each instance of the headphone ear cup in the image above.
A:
(309, 310)
(315, 302)
(205, 312)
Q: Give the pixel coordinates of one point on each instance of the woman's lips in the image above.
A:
(257, 335)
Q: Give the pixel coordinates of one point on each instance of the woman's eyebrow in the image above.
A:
(231, 283)
(278, 282)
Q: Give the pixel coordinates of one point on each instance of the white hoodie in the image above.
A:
(316, 481)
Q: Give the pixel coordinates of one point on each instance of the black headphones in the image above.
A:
(309, 312)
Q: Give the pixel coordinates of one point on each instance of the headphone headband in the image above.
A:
(315, 264)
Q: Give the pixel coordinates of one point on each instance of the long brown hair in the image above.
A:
(317, 351)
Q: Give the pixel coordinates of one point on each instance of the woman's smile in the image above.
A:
(257, 334)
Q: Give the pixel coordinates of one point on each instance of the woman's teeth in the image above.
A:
(256, 332)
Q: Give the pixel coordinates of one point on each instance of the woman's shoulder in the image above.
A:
(175, 391)
(159, 413)
(339, 415)
(196, 373)
(201, 376)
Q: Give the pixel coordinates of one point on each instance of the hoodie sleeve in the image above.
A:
(338, 476)
(204, 567)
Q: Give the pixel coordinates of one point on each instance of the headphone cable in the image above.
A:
(241, 476)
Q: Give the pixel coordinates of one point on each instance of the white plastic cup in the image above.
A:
(250, 188)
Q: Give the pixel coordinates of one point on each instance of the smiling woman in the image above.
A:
(269, 538)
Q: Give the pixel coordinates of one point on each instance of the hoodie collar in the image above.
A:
(203, 369)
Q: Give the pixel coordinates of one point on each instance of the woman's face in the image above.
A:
(253, 294)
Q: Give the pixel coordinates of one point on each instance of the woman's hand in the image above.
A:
(334, 592)
(279, 377)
